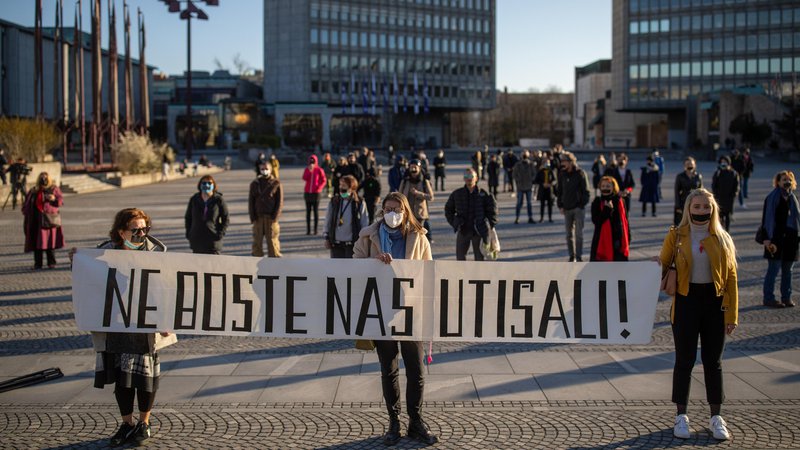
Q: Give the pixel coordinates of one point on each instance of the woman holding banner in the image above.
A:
(398, 235)
(130, 360)
(705, 304)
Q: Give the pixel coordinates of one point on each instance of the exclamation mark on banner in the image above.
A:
(623, 306)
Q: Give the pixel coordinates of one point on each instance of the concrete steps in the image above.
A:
(83, 184)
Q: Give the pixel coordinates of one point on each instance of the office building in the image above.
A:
(376, 72)
(678, 56)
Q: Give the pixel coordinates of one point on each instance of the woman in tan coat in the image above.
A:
(398, 235)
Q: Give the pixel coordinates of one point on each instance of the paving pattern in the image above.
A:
(36, 318)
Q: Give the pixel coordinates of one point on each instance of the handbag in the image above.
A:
(669, 281)
(365, 344)
(761, 233)
(51, 220)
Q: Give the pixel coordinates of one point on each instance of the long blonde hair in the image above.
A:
(714, 225)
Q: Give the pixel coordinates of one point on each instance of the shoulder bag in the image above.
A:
(669, 281)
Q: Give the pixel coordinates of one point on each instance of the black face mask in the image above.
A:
(606, 193)
(787, 185)
(701, 218)
(690, 168)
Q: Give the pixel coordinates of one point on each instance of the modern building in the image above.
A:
(223, 104)
(376, 72)
(598, 125)
(669, 54)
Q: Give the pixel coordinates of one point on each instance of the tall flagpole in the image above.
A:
(144, 98)
(97, 84)
(113, 75)
(81, 82)
(129, 114)
(56, 60)
(38, 66)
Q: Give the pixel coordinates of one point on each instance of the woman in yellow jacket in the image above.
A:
(398, 235)
(705, 304)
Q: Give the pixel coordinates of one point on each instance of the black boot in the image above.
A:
(392, 435)
(418, 429)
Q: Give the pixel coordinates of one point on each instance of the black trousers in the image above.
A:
(725, 218)
(312, 206)
(549, 203)
(37, 257)
(698, 314)
(390, 376)
(436, 182)
(463, 241)
(342, 251)
(125, 397)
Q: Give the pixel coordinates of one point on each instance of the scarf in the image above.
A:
(388, 237)
(605, 245)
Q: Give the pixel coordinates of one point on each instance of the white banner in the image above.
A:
(609, 303)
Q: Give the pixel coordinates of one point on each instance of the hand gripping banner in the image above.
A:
(597, 303)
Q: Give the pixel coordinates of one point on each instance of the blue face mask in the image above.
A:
(207, 187)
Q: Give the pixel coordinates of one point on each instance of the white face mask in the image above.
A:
(393, 219)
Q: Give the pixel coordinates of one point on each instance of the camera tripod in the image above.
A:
(15, 189)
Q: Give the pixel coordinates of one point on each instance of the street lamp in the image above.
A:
(187, 14)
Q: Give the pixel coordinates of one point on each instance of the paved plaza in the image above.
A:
(233, 392)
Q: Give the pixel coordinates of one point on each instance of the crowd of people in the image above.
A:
(362, 222)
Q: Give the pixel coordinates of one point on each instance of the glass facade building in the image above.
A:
(384, 58)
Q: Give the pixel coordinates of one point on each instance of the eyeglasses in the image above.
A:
(394, 210)
(143, 230)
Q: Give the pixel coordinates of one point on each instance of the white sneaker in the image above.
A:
(719, 428)
(681, 429)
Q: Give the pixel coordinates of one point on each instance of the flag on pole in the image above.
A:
(416, 94)
(352, 93)
(364, 95)
(344, 99)
(405, 93)
(425, 96)
(385, 95)
(374, 93)
(396, 93)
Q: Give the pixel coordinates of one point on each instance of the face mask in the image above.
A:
(787, 185)
(690, 168)
(393, 219)
(265, 172)
(345, 195)
(134, 245)
(723, 165)
(606, 193)
(701, 218)
(207, 187)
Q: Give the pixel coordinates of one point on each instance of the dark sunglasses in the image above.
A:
(143, 230)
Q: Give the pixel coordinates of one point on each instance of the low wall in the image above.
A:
(126, 181)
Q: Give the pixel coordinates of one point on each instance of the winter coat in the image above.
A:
(598, 169)
(493, 171)
(649, 180)
(725, 186)
(523, 174)
(36, 237)
(546, 175)
(315, 180)
(478, 205)
(368, 244)
(684, 185)
(418, 203)
(624, 180)
(396, 175)
(372, 188)
(782, 222)
(265, 198)
(439, 164)
(572, 190)
(205, 228)
(611, 239)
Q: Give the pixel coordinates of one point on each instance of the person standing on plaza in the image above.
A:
(725, 186)
(130, 361)
(477, 163)
(372, 191)
(262, 158)
(397, 173)
(3, 164)
(439, 170)
(744, 177)
(366, 160)
(42, 222)
(509, 160)
(705, 305)
(524, 174)
(397, 235)
(685, 183)
(419, 193)
(264, 204)
(328, 166)
(545, 188)
(354, 169)
(339, 171)
(493, 169)
(344, 219)
(781, 221)
(659, 160)
(624, 177)
(471, 211)
(315, 179)
(612, 237)
(650, 193)
(18, 177)
(206, 218)
(276, 166)
(598, 169)
(572, 194)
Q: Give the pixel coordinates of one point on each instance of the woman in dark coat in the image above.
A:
(493, 168)
(649, 180)
(545, 181)
(42, 235)
(781, 222)
(206, 218)
(611, 240)
(725, 186)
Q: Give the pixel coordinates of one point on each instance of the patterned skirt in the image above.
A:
(128, 370)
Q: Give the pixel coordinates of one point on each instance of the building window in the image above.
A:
(633, 72)
(323, 37)
(314, 63)
(696, 69)
(664, 27)
(686, 69)
(717, 66)
(729, 67)
(634, 28)
(314, 36)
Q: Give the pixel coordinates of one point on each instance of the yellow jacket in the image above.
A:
(722, 272)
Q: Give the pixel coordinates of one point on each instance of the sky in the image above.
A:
(539, 42)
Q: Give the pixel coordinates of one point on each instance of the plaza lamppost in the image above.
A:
(191, 11)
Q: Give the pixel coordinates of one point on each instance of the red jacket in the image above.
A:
(315, 179)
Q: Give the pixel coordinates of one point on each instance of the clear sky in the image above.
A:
(539, 42)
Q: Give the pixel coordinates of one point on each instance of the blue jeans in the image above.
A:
(527, 195)
(786, 279)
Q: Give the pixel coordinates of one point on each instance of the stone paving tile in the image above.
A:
(735, 388)
(264, 364)
(588, 386)
(536, 362)
(507, 387)
(231, 389)
(360, 388)
(463, 362)
(299, 388)
(449, 388)
(776, 385)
